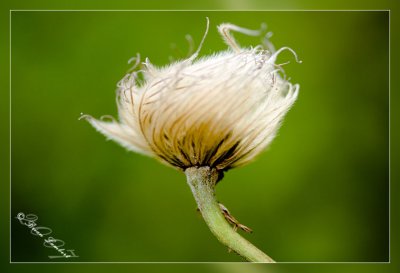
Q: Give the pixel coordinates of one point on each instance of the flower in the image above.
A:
(218, 111)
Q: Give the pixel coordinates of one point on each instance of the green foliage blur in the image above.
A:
(318, 194)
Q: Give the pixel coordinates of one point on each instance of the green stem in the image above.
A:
(202, 181)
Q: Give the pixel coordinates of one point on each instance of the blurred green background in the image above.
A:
(318, 194)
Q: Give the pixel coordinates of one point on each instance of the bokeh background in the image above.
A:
(318, 194)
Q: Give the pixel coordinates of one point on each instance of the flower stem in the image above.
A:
(202, 181)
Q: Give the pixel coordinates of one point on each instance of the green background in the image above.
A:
(318, 194)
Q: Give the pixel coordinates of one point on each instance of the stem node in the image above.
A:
(202, 182)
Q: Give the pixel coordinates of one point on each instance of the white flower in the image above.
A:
(218, 111)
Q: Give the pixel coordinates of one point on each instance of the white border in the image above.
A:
(211, 10)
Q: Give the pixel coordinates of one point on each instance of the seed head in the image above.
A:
(218, 111)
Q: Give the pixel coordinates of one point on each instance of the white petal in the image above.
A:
(121, 134)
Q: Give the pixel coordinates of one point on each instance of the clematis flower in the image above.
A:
(219, 111)
(204, 116)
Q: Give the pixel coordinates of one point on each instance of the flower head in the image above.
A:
(218, 111)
